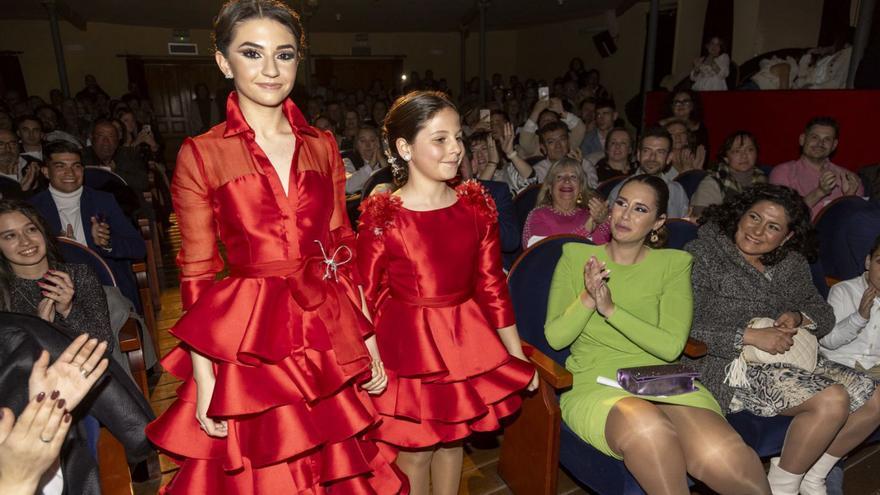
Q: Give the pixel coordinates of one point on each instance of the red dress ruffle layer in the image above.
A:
(295, 425)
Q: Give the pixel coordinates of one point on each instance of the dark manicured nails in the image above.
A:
(41, 396)
(54, 394)
(61, 404)
(67, 417)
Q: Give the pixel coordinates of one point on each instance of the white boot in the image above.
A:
(814, 481)
(781, 481)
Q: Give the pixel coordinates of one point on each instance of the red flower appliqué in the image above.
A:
(474, 194)
(378, 212)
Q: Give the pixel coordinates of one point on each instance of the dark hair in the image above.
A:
(7, 275)
(406, 117)
(656, 132)
(731, 140)
(661, 192)
(728, 214)
(356, 159)
(605, 103)
(103, 121)
(875, 246)
(696, 104)
(824, 121)
(235, 12)
(619, 129)
(691, 138)
(556, 125)
(720, 41)
(60, 146)
(547, 110)
(477, 137)
(24, 118)
(501, 113)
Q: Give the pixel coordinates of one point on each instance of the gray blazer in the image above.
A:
(728, 292)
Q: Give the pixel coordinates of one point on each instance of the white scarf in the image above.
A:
(69, 211)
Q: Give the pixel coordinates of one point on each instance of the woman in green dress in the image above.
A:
(625, 304)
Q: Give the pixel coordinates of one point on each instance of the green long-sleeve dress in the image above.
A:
(650, 325)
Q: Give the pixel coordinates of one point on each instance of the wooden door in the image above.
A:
(171, 84)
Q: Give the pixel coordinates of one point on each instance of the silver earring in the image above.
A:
(229, 75)
(406, 158)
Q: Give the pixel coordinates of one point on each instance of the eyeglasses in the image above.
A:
(681, 102)
(566, 178)
(9, 144)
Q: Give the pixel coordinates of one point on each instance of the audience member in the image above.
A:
(735, 171)
(640, 316)
(567, 205)
(555, 145)
(366, 158)
(813, 175)
(686, 105)
(618, 155)
(92, 218)
(686, 154)
(105, 152)
(712, 68)
(27, 346)
(853, 340)
(516, 172)
(544, 112)
(30, 131)
(605, 116)
(16, 167)
(750, 261)
(654, 156)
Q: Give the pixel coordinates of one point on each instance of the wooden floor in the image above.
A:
(479, 475)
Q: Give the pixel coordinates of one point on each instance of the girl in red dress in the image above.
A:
(274, 365)
(431, 263)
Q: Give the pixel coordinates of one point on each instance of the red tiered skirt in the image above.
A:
(449, 374)
(287, 387)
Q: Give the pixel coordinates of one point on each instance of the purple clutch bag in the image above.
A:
(663, 379)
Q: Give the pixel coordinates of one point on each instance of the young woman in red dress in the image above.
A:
(273, 360)
(430, 259)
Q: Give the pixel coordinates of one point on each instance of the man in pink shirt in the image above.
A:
(813, 175)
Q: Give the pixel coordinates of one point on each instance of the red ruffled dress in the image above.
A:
(283, 329)
(438, 294)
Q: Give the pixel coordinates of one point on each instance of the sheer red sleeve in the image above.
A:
(198, 259)
(377, 217)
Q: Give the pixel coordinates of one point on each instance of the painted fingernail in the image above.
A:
(67, 417)
(54, 395)
(61, 404)
(41, 396)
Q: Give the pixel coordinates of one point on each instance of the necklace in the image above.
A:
(571, 213)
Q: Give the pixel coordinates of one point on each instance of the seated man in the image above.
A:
(857, 329)
(544, 112)
(106, 152)
(813, 175)
(30, 131)
(654, 155)
(90, 217)
(605, 116)
(555, 145)
(16, 167)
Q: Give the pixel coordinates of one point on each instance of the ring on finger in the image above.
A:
(84, 372)
(44, 440)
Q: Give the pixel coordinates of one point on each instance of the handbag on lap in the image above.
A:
(804, 354)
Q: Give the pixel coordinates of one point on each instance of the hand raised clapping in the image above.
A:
(73, 374)
(58, 288)
(596, 287)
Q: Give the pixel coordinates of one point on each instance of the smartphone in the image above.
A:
(544, 93)
(485, 116)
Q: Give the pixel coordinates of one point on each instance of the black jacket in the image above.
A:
(115, 401)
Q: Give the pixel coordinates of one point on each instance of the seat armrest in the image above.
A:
(695, 349)
(548, 370)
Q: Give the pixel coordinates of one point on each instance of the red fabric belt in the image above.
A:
(435, 301)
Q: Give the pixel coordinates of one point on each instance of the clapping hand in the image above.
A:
(507, 138)
(827, 182)
(850, 184)
(73, 374)
(58, 287)
(29, 178)
(29, 446)
(100, 232)
(595, 277)
(598, 210)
